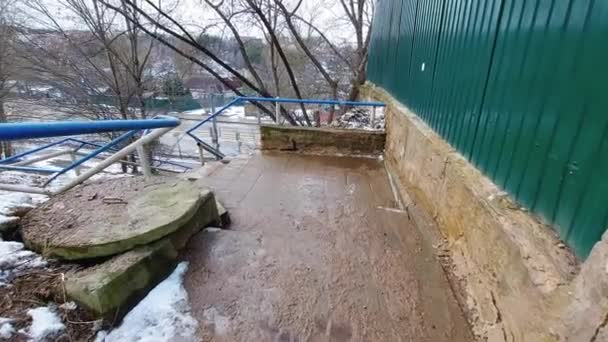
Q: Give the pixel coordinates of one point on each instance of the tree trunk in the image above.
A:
(355, 87)
(6, 149)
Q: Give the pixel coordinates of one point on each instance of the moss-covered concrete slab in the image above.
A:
(111, 217)
(111, 287)
(206, 215)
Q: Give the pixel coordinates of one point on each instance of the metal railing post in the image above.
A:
(144, 160)
(277, 112)
(373, 117)
(238, 140)
(179, 149)
(215, 137)
(73, 160)
(201, 153)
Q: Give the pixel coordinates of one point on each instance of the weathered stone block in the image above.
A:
(586, 315)
(322, 140)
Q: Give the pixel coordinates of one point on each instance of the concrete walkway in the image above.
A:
(316, 252)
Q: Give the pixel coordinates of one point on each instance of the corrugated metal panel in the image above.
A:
(517, 87)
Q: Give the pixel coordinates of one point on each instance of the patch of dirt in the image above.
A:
(44, 287)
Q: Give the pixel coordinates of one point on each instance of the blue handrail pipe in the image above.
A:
(29, 130)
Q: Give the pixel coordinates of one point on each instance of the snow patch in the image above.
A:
(163, 315)
(6, 328)
(45, 323)
(232, 112)
(14, 260)
(201, 111)
(13, 202)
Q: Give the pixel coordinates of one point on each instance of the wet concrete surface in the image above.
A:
(316, 252)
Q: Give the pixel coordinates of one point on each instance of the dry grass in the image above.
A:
(44, 287)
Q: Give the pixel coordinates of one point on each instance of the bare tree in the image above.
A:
(230, 14)
(7, 63)
(289, 19)
(257, 7)
(359, 14)
(179, 32)
(227, 18)
(106, 58)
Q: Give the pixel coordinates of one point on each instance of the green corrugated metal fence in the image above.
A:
(518, 87)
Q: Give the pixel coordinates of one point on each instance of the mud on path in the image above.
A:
(316, 252)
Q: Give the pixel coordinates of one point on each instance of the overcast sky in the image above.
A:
(326, 14)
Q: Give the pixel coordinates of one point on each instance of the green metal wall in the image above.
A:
(518, 87)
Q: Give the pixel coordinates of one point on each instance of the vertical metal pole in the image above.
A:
(142, 151)
(277, 112)
(201, 153)
(259, 117)
(73, 160)
(215, 135)
(238, 140)
(373, 117)
(179, 148)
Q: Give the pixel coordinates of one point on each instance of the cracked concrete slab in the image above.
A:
(110, 217)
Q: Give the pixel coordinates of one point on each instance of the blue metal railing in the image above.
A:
(238, 100)
(29, 130)
(15, 131)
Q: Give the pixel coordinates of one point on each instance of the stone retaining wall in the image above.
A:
(322, 140)
(520, 282)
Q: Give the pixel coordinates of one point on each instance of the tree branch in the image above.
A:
(281, 53)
